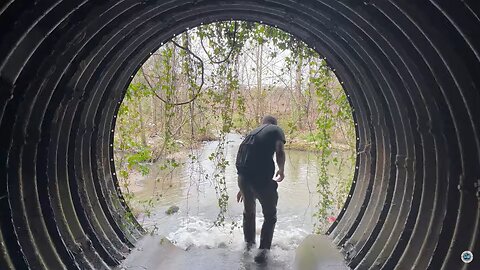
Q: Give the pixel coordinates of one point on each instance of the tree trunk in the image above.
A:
(298, 91)
(259, 67)
(142, 124)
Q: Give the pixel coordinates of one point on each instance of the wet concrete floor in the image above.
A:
(316, 252)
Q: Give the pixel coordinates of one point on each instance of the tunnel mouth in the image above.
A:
(410, 71)
(149, 160)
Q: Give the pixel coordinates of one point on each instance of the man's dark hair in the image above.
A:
(268, 119)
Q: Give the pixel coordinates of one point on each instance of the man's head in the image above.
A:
(268, 119)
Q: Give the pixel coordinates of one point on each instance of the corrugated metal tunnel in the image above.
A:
(411, 70)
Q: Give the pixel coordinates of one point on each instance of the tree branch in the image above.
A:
(199, 87)
(231, 49)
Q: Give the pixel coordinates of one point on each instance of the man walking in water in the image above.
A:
(255, 168)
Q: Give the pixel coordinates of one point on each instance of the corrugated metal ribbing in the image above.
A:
(410, 69)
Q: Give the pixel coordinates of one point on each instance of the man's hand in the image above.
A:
(280, 155)
(239, 197)
(280, 175)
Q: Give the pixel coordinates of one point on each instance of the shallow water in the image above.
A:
(190, 187)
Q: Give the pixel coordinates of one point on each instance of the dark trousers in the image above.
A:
(267, 195)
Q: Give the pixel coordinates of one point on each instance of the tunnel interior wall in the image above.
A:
(411, 71)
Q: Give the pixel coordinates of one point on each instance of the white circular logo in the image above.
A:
(467, 256)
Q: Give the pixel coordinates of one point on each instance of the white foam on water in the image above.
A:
(289, 238)
(198, 232)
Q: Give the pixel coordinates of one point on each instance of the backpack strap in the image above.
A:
(266, 125)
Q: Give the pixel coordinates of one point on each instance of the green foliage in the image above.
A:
(312, 106)
(139, 159)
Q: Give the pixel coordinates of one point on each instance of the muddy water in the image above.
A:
(191, 188)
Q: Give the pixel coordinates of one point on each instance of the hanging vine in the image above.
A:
(226, 79)
(249, 69)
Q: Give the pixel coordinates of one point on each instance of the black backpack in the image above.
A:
(248, 154)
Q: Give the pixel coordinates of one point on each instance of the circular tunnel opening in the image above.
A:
(410, 70)
(175, 160)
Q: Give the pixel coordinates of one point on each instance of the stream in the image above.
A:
(190, 188)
